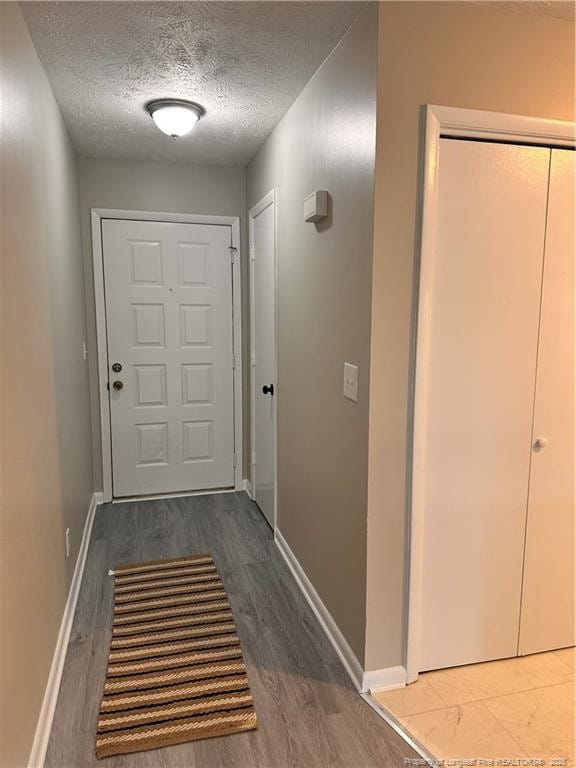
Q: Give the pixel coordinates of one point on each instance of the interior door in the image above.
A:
(170, 346)
(483, 334)
(263, 262)
(548, 593)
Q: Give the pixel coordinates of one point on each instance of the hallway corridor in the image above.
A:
(308, 712)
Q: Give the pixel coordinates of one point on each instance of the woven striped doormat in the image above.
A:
(175, 668)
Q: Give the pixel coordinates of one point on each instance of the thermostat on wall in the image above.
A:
(316, 205)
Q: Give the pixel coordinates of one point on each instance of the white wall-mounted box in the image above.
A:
(316, 205)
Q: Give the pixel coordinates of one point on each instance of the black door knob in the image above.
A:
(117, 385)
(116, 367)
(268, 389)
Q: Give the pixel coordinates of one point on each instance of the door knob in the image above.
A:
(268, 389)
(539, 443)
(117, 385)
(116, 367)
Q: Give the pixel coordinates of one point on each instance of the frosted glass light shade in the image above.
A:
(175, 118)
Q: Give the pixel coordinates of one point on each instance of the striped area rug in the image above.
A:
(175, 668)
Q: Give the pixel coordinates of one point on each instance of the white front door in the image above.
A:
(170, 352)
(263, 264)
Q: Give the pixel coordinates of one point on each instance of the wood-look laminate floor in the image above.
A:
(309, 714)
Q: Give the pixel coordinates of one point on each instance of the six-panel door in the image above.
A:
(170, 332)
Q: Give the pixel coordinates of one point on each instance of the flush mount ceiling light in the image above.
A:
(175, 117)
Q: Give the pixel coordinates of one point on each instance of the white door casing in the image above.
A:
(483, 344)
(168, 292)
(263, 336)
(547, 615)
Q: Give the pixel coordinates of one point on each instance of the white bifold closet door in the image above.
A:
(484, 325)
(547, 617)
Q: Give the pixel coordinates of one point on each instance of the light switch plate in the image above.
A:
(351, 382)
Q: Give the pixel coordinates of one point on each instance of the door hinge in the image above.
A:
(235, 460)
(252, 254)
(233, 361)
(233, 251)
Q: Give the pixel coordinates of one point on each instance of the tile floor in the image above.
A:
(514, 708)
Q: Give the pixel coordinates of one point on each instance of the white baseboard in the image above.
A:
(333, 633)
(384, 679)
(247, 486)
(44, 725)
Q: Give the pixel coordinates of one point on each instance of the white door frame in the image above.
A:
(98, 215)
(269, 199)
(464, 123)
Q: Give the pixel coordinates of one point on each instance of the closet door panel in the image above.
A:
(484, 308)
(548, 595)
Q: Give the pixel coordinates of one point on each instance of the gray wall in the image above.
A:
(326, 141)
(46, 463)
(460, 54)
(155, 187)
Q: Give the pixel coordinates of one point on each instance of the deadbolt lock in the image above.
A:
(116, 367)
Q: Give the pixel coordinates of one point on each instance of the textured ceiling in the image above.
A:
(244, 61)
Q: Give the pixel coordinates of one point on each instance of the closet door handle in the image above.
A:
(540, 443)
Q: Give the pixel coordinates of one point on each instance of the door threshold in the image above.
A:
(180, 495)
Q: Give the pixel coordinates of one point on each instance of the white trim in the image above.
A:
(248, 488)
(102, 353)
(388, 679)
(331, 629)
(101, 334)
(447, 121)
(44, 724)
(397, 726)
(500, 126)
(238, 355)
(269, 199)
(177, 218)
